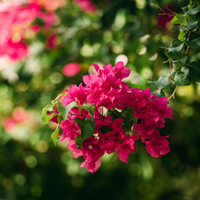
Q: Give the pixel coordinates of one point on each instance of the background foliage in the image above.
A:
(32, 168)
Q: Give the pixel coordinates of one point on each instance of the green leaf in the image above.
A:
(182, 78)
(194, 44)
(55, 134)
(194, 70)
(128, 118)
(45, 118)
(90, 109)
(180, 62)
(159, 93)
(190, 26)
(88, 128)
(80, 122)
(78, 142)
(105, 129)
(181, 36)
(53, 102)
(64, 110)
(193, 11)
(179, 19)
(161, 83)
(176, 50)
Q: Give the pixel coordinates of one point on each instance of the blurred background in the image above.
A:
(47, 45)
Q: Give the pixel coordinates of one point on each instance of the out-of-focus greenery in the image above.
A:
(32, 168)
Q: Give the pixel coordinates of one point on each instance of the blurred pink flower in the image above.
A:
(9, 125)
(15, 19)
(71, 69)
(49, 5)
(53, 41)
(19, 115)
(86, 5)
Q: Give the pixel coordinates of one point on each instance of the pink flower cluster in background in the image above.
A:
(18, 116)
(86, 5)
(15, 20)
(71, 69)
(49, 5)
(106, 90)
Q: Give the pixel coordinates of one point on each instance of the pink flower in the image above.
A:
(76, 94)
(49, 5)
(9, 125)
(70, 130)
(71, 69)
(157, 146)
(19, 115)
(15, 20)
(86, 5)
(106, 88)
(127, 147)
(52, 42)
(92, 166)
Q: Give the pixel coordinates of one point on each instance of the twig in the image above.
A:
(148, 75)
(173, 93)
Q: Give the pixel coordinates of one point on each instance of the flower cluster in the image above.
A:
(86, 5)
(15, 22)
(106, 115)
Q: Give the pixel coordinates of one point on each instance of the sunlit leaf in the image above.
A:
(179, 19)
(55, 134)
(45, 118)
(64, 110)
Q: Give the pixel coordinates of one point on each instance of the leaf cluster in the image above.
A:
(182, 69)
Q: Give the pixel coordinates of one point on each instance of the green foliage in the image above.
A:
(64, 110)
(87, 126)
(45, 116)
(55, 134)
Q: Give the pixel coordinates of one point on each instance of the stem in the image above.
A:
(173, 93)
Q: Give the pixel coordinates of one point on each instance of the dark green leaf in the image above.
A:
(80, 122)
(64, 110)
(194, 44)
(190, 26)
(193, 11)
(88, 128)
(55, 134)
(45, 118)
(159, 93)
(182, 78)
(105, 129)
(179, 19)
(194, 70)
(161, 83)
(180, 62)
(90, 109)
(78, 142)
(176, 50)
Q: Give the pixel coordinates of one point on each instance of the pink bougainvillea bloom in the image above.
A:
(76, 94)
(127, 147)
(106, 88)
(71, 69)
(19, 115)
(49, 5)
(9, 125)
(15, 21)
(86, 5)
(53, 41)
(157, 146)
